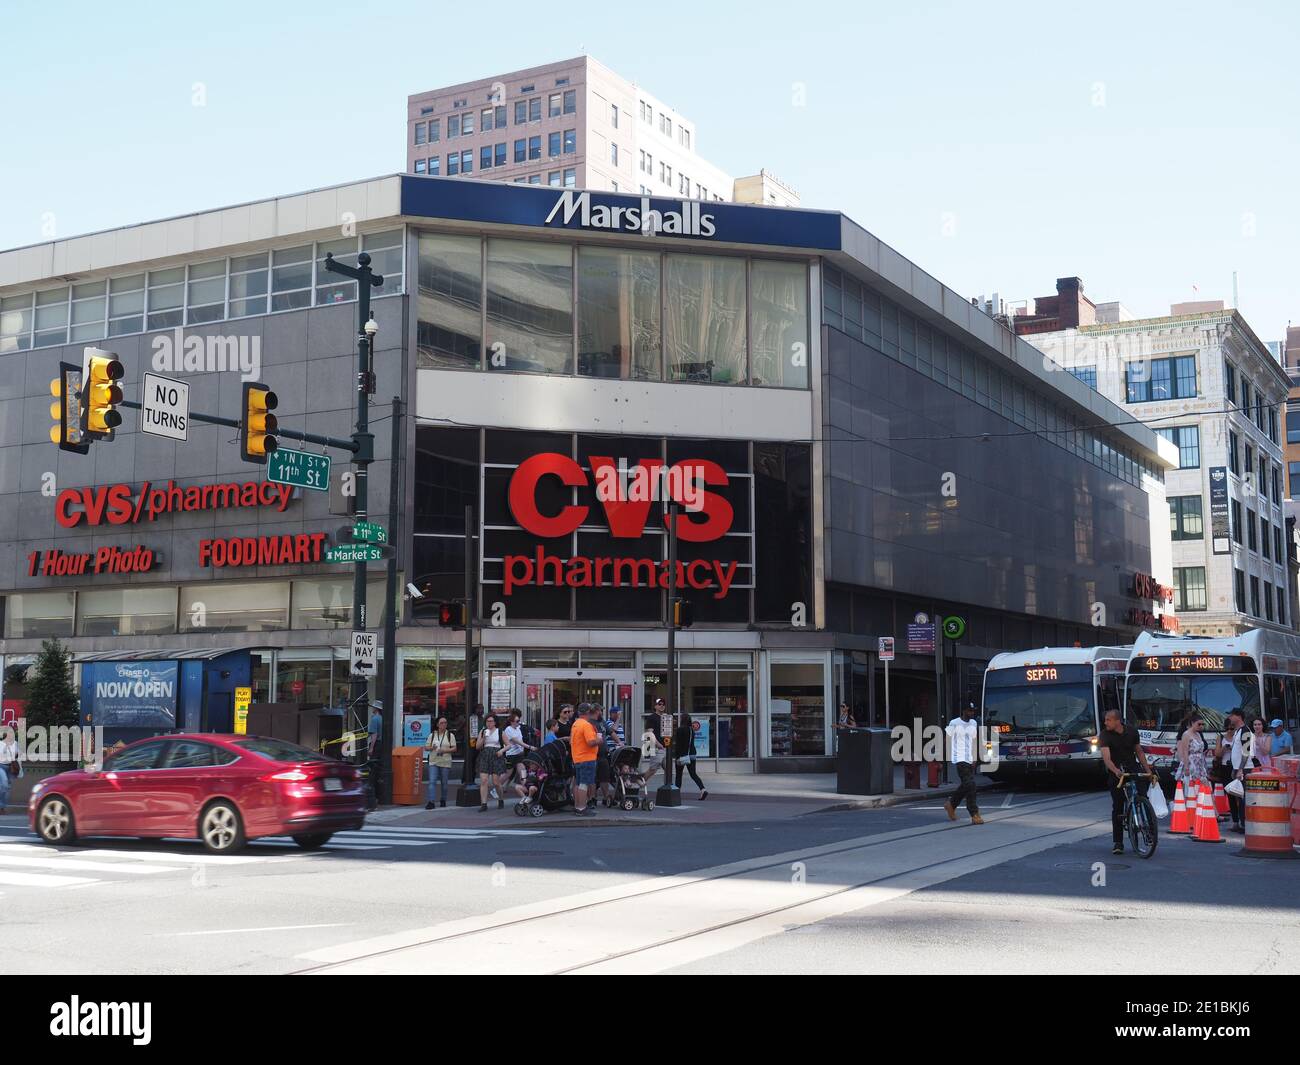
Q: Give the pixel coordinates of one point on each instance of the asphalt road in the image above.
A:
(893, 890)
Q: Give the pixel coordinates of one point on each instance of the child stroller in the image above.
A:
(630, 789)
(548, 776)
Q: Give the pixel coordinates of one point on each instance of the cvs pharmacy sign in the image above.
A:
(625, 495)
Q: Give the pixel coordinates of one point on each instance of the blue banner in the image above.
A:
(130, 694)
(547, 207)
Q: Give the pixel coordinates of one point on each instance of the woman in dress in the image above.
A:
(491, 762)
(1191, 750)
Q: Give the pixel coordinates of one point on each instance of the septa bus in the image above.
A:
(1169, 677)
(1046, 707)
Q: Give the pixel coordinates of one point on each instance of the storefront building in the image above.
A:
(852, 444)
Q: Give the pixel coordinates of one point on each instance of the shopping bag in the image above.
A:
(1156, 797)
(1235, 787)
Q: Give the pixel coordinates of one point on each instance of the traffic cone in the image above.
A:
(1193, 788)
(1179, 822)
(1221, 806)
(1207, 825)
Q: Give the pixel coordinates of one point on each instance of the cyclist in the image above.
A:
(1121, 750)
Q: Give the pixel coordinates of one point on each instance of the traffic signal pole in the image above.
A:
(669, 794)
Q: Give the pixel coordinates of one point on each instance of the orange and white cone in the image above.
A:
(1207, 825)
(1193, 787)
(1221, 806)
(1179, 822)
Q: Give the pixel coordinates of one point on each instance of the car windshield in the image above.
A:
(1059, 709)
(1161, 703)
(280, 750)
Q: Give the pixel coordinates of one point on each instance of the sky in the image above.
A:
(1149, 148)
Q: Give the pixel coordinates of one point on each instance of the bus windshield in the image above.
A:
(1161, 703)
(1058, 709)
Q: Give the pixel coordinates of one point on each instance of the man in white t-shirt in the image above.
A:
(963, 748)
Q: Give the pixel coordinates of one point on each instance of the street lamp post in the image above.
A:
(364, 454)
(669, 794)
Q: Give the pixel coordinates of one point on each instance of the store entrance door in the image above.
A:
(546, 690)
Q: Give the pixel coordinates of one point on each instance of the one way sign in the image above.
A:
(365, 654)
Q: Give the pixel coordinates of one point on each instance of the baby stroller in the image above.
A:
(548, 776)
(630, 789)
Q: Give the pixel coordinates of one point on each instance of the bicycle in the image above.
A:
(1139, 817)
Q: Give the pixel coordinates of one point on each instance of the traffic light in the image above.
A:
(100, 393)
(257, 428)
(683, 614)
(451, 615)
(66, 410)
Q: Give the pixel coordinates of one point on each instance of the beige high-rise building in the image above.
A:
(572, 124)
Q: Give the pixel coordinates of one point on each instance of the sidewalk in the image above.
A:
(732, 798)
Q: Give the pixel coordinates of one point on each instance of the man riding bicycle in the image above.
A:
(1121, 750)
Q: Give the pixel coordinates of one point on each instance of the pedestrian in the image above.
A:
(1261, 745)
(616, 726)
(846, 717)
(515, 744)
(10, 767)
(566, 721)
(604, 772)
(1228, 765)
(652, 751)
(1191, 749)
(586, 745)
(1121, 750)
(684, 753)
(963, 752)
(374, 731)
(441, 746)
(1280, 742)
(552, 733)
(491, 763)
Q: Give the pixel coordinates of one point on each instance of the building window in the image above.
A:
(485, 120)
(1264, 537)
(1189, 588)
(521, 150)
(291, 270)
(38, 615)
(435, 164)
(1278, 556)
(1236, 521)
(1263, 477)
(553, 105)
(534, 179)
(126, 611)
(570, 101)
(449, 301)
(1251, 539)
(686, 138)
(613, 115)
(467, 123)
(535, 147)
(1272, 424)
(499, 154)
(705, 328)
(327, 604)
(521, 112)
(1254, 596)
(453, 126)
(1234, 456)
(1239, 584)
(570, 141)
(1188, 440)
(553, 179)
(205, 292)
(89, 304)
(467, 162)
(553, 144)
(797, 709)
(1293, 478)
(1159, 379)
(530, 305)
(330, 287)
(1281, 604)
(1230, 382)
(419, 166)
(435, 126)
(619, 314)
(535, 109)
(260, 607)
(420, 133)
(778, 323)
(613, 153)
(453, 164)
(1086, 374)
(485, 157)
(1268, 601)
(166, 296)
(570, 177)
(1185, 522)
(248, 285)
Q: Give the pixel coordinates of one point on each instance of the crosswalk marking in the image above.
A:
(45, 880)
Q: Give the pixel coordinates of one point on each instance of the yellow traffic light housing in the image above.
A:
(100, 393)
(66, 410)
(258, 426)
(683, 614)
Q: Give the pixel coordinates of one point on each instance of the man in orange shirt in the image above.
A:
(585, 743)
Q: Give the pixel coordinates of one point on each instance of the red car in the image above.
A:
(223, 789)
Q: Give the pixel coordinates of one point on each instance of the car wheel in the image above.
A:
(221, 829)
(55, 822)
(313, 841)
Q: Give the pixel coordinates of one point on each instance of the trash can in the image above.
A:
(863, 766)
(408, 775)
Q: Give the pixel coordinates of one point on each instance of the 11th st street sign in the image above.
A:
(302, 469)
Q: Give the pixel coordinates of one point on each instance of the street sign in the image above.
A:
(1220, 527)
(302, 469)
(920, 638)
(954, 627)
(364, 654)
(886, 650)
(352, 553)
(164, 407)
(367, 532)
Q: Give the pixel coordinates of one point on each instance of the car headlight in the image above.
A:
(38, 789)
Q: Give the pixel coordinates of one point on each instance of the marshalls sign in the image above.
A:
(165, 407)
